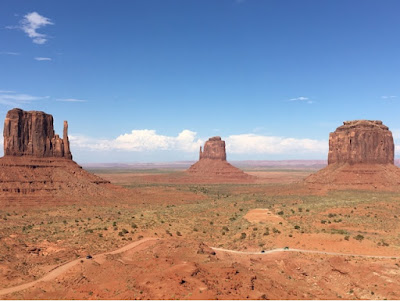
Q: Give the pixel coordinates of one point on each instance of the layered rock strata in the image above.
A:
(361, 141)
(38, 165)
(361, 156)
(212, 165)
(32, 134)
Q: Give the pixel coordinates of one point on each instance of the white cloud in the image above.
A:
(188, 142)
(141, 140)
(9, 53)
(31, 23)
(43, 59)
(389, 97)
(258, 144)
(299, 98)
(71, 100)
(11, 98)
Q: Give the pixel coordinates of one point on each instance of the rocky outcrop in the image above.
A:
(214, 149)
(37, 165)
(361, 141)
(32, 134)
(212, 166)
(361, 156)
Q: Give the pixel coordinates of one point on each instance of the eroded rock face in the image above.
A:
(361, 141)
(32, 134)
(214, 148)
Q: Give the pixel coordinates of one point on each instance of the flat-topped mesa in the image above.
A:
(361, 141)
(31, 133)
(214, 149)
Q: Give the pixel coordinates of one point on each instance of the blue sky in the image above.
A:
(152, 80)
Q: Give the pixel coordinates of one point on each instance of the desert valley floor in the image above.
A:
(167, 230)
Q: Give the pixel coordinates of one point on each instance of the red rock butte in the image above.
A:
(212, 165)
(361, 156)
(32, 134)
(361, 141)
(37, 165)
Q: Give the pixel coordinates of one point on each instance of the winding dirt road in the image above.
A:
(303, 251)
(65, 267)
(101, 257)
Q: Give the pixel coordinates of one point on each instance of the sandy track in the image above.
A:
(65, 267)
(303, 251)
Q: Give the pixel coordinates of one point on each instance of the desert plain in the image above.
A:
(176, 225)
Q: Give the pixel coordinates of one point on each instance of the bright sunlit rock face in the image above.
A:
(361, 141)
(32, 134)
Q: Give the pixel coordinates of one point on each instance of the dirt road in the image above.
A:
(303, 251)
(65, 267)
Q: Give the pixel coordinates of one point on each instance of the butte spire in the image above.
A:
(212, 165)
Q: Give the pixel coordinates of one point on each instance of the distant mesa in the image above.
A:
(212, 165)
(38, 165)
(361, 156)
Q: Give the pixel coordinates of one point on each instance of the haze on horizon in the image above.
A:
(151, 81)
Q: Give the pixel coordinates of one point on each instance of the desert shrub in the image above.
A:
(347, 237)
(125, 231)
(243, 235)
(280, 213)
(225, 228)
(178, 233)
(276, 231)
(359, 237)
(134, 226)
(339, 231)
(297, 227)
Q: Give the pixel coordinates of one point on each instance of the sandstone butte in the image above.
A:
(37, 163)
(212, 165)
(361, 156)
